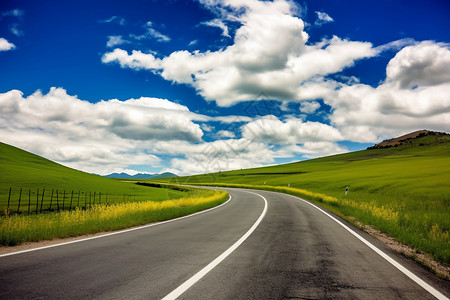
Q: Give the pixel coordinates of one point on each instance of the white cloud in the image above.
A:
(271, 130)
(269, 55)
(13, 13)
(14, 28)
(115, 40)
(225, 134)
(219, 24)
(5, 45)
(114, 19)
(424, 64)
(310, 150)
(415, 95)
(193, 43)
(222, 155)
(95, 137)
(137, 60)
(309, 107)
(151, 33)
(322, 18)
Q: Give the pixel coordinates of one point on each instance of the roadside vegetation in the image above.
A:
(17, 229)
(403, 191)
(124, 203)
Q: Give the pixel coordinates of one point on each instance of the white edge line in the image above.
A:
(117, 232)
(404, 270)
(199, 275)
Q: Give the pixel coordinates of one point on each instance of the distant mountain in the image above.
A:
(140, 175)
(413, 138)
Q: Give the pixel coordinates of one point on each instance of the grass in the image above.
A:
(21, 169)
(16, 229)
(129, 204)
(403, 191)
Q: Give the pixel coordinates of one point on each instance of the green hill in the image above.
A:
(402, 189)
(419, 168)
(21, 169)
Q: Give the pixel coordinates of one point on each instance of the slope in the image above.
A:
(21, 169)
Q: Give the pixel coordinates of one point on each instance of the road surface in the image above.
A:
(295, 252)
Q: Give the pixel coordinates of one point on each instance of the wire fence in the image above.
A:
(28, 201)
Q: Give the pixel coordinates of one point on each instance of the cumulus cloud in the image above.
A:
(91, 136)
(424, 64)
(270, 53)
(271, 130)
(222, 155)
(137, 60)
(5, 45)
(415, 95)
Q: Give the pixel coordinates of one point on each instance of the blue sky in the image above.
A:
(201, 86)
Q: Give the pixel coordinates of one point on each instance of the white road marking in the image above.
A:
(191, 281)
(116, 232)
(404, 270)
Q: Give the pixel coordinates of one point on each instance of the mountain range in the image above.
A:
(140, 175)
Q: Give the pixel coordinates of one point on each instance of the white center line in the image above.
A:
(191, 281)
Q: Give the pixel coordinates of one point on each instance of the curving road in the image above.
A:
(295, 252)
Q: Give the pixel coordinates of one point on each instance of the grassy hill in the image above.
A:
(21, 169)
(403, 190)
(25, 223)
(419, 169)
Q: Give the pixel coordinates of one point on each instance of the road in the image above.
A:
(295, 252)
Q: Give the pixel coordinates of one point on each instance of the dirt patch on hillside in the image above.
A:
(422, 258)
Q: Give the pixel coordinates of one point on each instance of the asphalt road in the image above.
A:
(296, 252)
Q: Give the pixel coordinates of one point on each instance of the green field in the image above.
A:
(403, 191)
(124, 204)
(22, 170)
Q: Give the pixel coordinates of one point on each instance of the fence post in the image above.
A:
(93, 201)
(20, 196)
(64, 198)
(100, 199)
(51, 199)
(57, 200)
(37, 200)
(29, 200)
(42, 201)
(85, 201)
(9, 198)
(71, 198)
(89, 199)
(78, 205)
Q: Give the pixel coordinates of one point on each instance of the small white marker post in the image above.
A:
(346, 191)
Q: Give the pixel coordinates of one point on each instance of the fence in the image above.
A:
(27, 201)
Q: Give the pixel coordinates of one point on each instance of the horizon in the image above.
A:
(194, 87)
